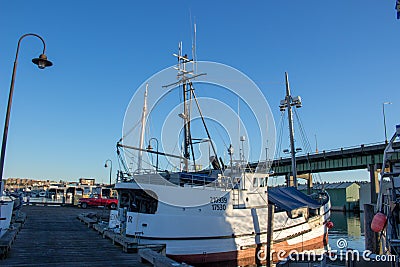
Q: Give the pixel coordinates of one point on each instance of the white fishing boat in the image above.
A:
(217, 215)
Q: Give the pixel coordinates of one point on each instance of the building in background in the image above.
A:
(345, 196)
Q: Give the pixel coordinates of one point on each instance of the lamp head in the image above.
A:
(105, 165)
(230, 150)
(42, 61)
(149, 147)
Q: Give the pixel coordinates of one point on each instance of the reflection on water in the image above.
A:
(349, 226)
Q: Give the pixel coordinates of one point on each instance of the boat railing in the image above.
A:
(152, 179)
(220, 182)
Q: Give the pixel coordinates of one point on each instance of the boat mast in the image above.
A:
(184, 77)
(186, 121)
(182, 60)
(289, 102)
(143, 123)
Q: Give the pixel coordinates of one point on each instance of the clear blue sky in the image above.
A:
(342, 58)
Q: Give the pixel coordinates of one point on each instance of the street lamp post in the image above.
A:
(42, 63)
(105, 166)
(384, 119)
(150, 148)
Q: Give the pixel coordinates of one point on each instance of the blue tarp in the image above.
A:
(289, 198)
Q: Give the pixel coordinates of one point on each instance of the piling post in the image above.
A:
(373, 180)
(270, 233)
(371, 238)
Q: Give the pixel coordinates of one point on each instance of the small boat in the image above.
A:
(225, 214)
(6, 209)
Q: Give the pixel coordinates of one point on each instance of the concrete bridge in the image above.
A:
(361, 157)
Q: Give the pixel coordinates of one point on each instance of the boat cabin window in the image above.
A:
(259, 182)
(138, 200)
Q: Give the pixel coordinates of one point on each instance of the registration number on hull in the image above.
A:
(218, 203)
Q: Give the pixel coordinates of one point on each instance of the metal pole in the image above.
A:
(5, 131)
(143, 125)
(270, 233)
(384, 121)
(105, 166)
(290, 117)
(153, 138)
(157, 157)
(110, 171)
(10, 96)
(186, 154)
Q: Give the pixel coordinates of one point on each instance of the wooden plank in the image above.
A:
(16, 226)
(101, 228)
(52, 236)
(87, 220)
(20, 217)
(6, 241)
(158, 259)
(8, 237)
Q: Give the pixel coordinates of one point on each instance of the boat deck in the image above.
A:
(52, 236)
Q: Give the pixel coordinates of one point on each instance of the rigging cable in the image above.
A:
(279, 143)
(306, 143)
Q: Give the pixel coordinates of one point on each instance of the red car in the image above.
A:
(111, 203)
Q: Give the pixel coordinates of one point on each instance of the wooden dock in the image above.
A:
(7, 240)
(52, 236)
(153, 254)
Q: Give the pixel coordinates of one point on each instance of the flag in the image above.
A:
(398, 8)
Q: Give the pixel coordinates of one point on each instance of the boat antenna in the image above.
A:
(194, 55)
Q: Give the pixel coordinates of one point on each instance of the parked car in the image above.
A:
(98, 201)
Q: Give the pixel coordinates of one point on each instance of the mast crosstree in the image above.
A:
(185, 78)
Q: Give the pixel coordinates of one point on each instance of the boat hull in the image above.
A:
(246, 255)
(6, 208)
(231, 236)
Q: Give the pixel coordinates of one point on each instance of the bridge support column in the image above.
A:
(374, 182)
(308, 177)
(309, 184)
(289, 180)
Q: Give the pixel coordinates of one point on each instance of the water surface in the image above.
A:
(349, 226)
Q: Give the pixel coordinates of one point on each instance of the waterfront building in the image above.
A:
(345, 196)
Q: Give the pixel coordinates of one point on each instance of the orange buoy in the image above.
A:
(329, 225)
(378, 222)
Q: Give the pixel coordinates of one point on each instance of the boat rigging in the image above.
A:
(185, 79)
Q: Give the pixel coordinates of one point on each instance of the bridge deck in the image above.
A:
(343, 159)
